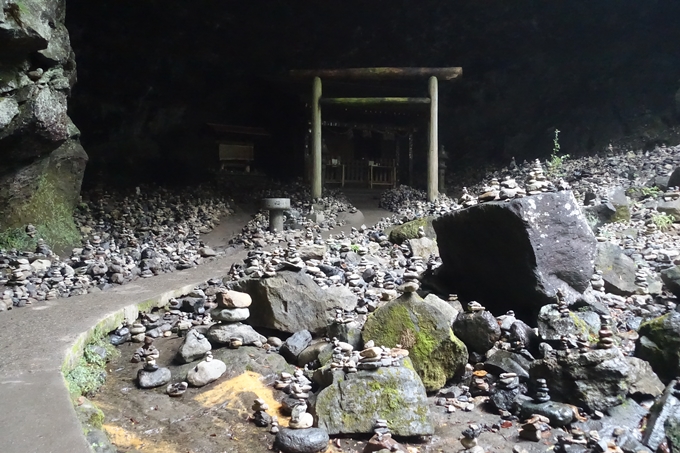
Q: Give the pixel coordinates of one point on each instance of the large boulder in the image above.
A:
(292, 301)
(618, 271)
(671, 278)
(597, 379)
(663, 418)
(41, 160)
(659, 344)
(351, 405)
(478, 330)
(409, 230)
(425, 331)
(552, 325)
(517, 253)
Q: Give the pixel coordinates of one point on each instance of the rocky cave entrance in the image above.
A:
(374, 313)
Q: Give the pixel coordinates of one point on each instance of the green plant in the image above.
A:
(663, 221)
(90, 373)
(50, 213)
(643, 192)
(556, 161)
(355, 248)
(15, 238)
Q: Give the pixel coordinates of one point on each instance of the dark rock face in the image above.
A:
(560, 414)
(659, 344)
(479, 330)
(552, 325)
(597, 379)
(671, 278)
(310, 440)
(292, 301)
(508, 362)
(618, 271)
(41, 155)
(663, 415)
(295, 344)
(517, 253)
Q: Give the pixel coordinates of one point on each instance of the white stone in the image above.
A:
(206, 372)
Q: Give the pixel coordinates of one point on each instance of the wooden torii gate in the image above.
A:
(434, 75)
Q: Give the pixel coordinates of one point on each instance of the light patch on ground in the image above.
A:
(227, 392)
(122, 438)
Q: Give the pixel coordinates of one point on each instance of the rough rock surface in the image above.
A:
(309, 440)
(150, 379)
(552, 325)
(618, 271)
(665, 410)
(40, 149)
(206, 372)
(292, 301)
(194, 347)
(659, 344)
(396, 394)
(595, 380)
(671, 278)
(478, 330)
(295, 344)
(422, 329)
(409, 230)
(517, 253)
(221, 334)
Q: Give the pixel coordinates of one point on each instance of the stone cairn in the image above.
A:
(145, 352)
(537, 182)
(469, 439)
(641, 281)
(508, 381)
(467, 199)
(562, 305)
(605, 333)
(542, 392)
(260, 416)
(479, 386)
(297, 386)
(232, 307)
(597, 281)
(382, 439)
(300, 418)
(583, 344)
(533, 428)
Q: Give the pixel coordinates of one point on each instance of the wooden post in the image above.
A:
(316, 139)
(433, 157)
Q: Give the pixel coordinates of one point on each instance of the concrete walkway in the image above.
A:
(37, 342)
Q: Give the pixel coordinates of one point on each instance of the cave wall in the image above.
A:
(154, 72)
(40, 152)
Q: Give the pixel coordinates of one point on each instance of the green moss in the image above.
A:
(408, 230)
(435, 360)
(49, 211)
(655, 329)
(583, 327)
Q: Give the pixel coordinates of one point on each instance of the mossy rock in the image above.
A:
(352, 404)
(90, 416)
(659, 344)
(437, 354)
(409, 230)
